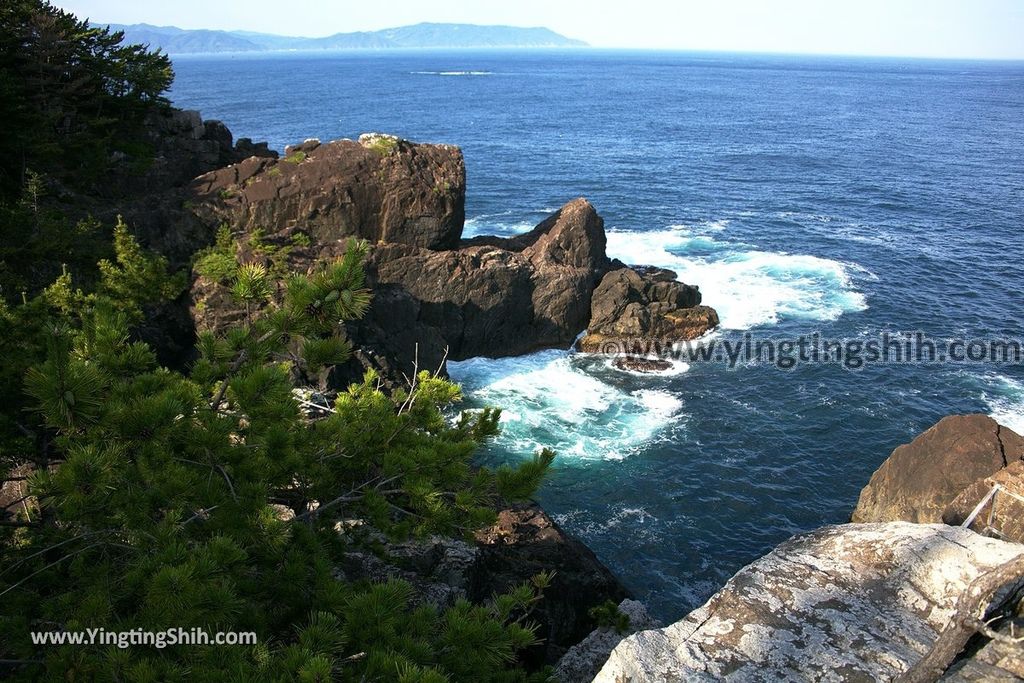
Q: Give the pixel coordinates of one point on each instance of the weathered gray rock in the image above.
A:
(583, 660)
(921, 479)
(843, 603)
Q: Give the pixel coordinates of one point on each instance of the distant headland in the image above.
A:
(174, 40)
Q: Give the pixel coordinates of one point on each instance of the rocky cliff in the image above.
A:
(436, 296)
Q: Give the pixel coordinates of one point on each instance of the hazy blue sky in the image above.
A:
(940, 28)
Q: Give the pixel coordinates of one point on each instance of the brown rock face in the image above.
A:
(526, 541)
(921, 479)
(498, 297)
(644, 311)
(1003, 514)
(380, 189)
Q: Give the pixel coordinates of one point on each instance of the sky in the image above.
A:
(914, 28)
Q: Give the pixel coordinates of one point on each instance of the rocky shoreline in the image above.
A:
(863, 600)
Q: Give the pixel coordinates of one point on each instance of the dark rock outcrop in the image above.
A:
(525, 542)
(919, 481)
(436, 296)
(503, 297)
(644, 311)
(380, 189)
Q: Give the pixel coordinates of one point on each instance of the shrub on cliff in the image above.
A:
(162, 500)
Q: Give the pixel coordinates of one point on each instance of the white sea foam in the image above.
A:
(452, 73)
(1005, 400)
(550, 402)
(496, 224)
(748, 287)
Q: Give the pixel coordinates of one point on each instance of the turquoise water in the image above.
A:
(839, 196)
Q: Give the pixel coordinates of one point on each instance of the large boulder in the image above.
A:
(381, 189)
(843, 603)
(644, 311)
(921, 479)
(526, 541)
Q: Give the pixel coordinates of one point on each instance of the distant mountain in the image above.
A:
(174, 40)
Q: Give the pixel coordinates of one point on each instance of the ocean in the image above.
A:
(839, 196)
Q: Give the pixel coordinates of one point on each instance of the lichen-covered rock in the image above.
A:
(381, 189)
(583, 660)
(644, 311)
(921, 479)
(843, 603)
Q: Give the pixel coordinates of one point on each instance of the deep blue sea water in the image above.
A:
(802, 194)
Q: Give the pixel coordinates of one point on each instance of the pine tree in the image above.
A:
(158, 495)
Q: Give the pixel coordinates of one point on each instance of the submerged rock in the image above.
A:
(645, 365)
(849, 602)
(921, 479)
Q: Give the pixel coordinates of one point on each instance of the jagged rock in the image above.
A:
(921, 479)
(525, 542)
(583, 660)
(498, 297)
(393, 191)
(848, 602)
(183, 147)
(1003, 515)
(644, 311)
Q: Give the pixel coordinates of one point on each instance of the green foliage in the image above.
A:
(608, 615)
(73, 100)
(383, 144)
(295, 157)
(73, 93)
(156, 492)
(218, 262)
